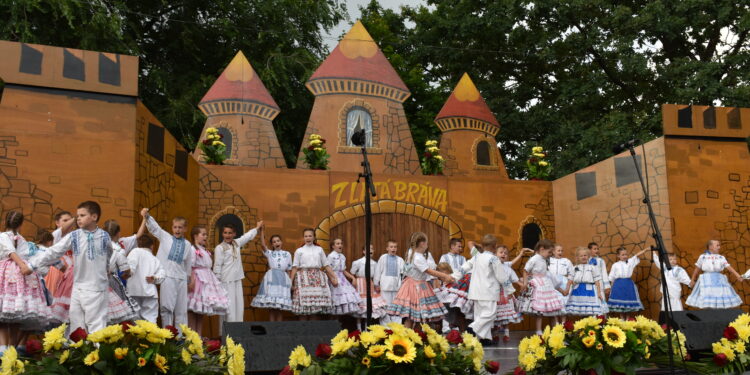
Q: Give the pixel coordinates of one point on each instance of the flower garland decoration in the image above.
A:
(538, 168)
(432, 161)
(138, 348)
(316, 155)
(214, 150)
(393, 349)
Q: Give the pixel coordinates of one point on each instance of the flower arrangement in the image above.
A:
(730, 354)
(316, 156)
(538, 168)
(393, 349)
(140, 348)
(213, 148)
(432, 161)
(595, 345)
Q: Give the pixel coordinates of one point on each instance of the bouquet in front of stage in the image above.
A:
(140, 348)
(730, 354)
(596, 345)
(393, 349)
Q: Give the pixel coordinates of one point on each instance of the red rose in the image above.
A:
(422, 335)
(173, 330)
(602, 318)
(492, 367)
(323, 351)
(355, 334)
(33, 346)
(78, 335)
(720, 360)
(454, 337)
(323, 140)
(213, 345)
(427, 155)
(730, 333)
(221, 136)
(519, 371)
(631, 319)
(310, 148)
(569, 325)
(389, 332)
(126, 326)
(286, 371)
(533, 160)
(207, 142)
(664, 327)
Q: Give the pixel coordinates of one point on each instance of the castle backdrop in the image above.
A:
(72, 128)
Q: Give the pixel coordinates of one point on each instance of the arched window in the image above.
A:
(530, 235)
(228, 219)
(357, 118)
(227, 141)
(483, 153)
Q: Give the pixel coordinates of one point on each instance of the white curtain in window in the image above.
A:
(361, 116)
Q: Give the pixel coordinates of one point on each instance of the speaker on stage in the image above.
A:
(702, 327)
(268, 344)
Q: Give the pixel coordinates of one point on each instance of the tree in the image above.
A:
(573, 76)
(184, 45)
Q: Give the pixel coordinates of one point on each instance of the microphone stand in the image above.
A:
(663, 259)
(369, 191)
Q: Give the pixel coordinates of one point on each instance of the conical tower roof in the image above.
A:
(466, 109)
(239, 90)
(357, 65)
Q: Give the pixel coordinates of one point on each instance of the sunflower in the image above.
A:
(400, 349)
(589, 341)
(614, 336)
(376, 351)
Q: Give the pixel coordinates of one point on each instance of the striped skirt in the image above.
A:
(541, 298)
(713, 291)
(624, 296)
(417, 302)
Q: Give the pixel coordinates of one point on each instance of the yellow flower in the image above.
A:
(428, 352)
(432, 150)
(538, 154)
(341, 336)
(299, 357)
(193, 340)
(218, 143)
(376, 351)
(599, 346)
(414, 337)
(537, 149)
(556, 340)
(212, 130)
(161, 363)
(186, 357)
(120, 353)
(143, 329)
(141, 361)
(592, 332)
(590, 321)
(367, 338)
(91, 358)
(614, 336)
(316, 142)
(589, 341)
(54, 338)
(343, 346)
(64, 356)
(438, 157)
(11, 365)
(236, 365)
(314, 137)
(528, 362)
(109, 335)
(543, 163)
(366, 361)
(400, 349)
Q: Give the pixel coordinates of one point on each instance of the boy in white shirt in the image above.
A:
(228, 268)
(146, 271)
(454, 257)
(176, 256)
(388, 276)
(598, 261)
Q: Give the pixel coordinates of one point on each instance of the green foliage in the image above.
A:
(184, 45)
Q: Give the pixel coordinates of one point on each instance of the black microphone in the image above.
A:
(358, 137)
(625, 146)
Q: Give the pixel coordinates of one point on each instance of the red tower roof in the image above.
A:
(239, 82)
(466, 101)
(358, 57)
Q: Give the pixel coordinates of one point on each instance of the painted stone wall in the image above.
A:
(459, 149)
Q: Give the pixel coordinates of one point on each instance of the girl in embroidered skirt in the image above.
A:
(456, 295)
(378, 302)
(42, 241)
(713, 291)
(206, 295)
(587, 296)
(122, 308)
(345, 297)
(416, 300)
(311, 295)
(22, 299)
(561, 270)
(507, 311)
(538, 294)
(624, 295)
(275, 291)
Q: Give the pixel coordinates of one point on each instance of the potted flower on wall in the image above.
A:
(316, 155)
(432, 161)
(538, 168)
(214, 150)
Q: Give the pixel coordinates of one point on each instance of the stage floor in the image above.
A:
(506, 352)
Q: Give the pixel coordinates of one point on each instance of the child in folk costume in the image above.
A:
(416, 300)
(92, 252)
(457, 294)
(388, 276)
(598, 261)
(587, 296)
(22, 299)
(507, 311)
(487, 279)
(228, 268)
(454, 257)
(624, 296)
(452, 317)
(676, 276)
(539, 296)
(311, 295)
(345, 298)
(146, 272)
(275, 291)
(713, 291)
(206, 295)
(119, 311)
(378, 302)
(64, 223)
(176, 257)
